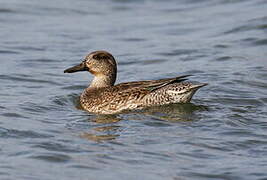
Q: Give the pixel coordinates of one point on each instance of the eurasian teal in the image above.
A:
(103, 97)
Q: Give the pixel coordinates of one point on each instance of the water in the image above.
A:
(220, 135)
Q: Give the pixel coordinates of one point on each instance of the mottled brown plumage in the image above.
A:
(103, 97)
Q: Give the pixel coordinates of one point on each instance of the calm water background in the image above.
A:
(222, 134)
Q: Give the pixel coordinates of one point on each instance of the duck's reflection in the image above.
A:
(109, 129)
(99, 138)
(106, 119)
(106, 132)
(176, 112)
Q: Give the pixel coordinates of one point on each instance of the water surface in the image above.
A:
(220, 135)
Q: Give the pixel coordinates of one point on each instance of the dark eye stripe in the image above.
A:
(98, 57)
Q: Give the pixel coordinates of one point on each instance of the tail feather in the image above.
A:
(197, 86)
(178, 79)
(184, 94)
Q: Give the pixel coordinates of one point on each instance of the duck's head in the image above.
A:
(100, 63)
(97, 63)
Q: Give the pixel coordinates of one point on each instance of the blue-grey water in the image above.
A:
(222, 134)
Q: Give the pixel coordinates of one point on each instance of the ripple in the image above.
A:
(99, 138)
(52, 146)
(154, 61)
(52, 157)
(240, 101)
(13, 133)
(253, 83)
(23, 79)
(59, 11)
(128, 1)
(224, 58)
(133, 39)
(35, 108)
(212, 176)
(74, 87)
(263, 100)
(154, 123)
(127, 63)
(121, 8)
(252, 24)
(178, 52)
(260, 42)
(8, 52)
(239, 29)
(66, 99)
(221, 46)
(14, 115)
(40, 60)
(6, 10)
(262, 26)
(30, 48)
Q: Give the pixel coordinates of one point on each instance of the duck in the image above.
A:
(102, 96)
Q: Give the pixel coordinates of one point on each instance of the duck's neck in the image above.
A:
(103, 81)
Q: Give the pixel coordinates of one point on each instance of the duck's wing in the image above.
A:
(137, 90)
(131, 89)
(152, 83)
